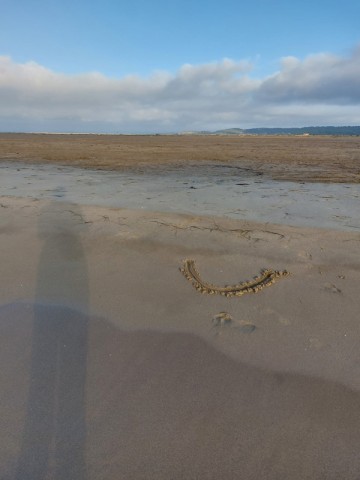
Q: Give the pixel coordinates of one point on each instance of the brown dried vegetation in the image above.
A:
(297, 158)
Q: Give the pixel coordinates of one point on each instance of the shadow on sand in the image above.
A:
(54, 431)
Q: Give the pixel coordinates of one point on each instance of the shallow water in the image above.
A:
(210, 189)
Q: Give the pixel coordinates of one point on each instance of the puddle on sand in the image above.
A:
(201, 190)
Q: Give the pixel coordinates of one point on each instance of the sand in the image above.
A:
(115, 367)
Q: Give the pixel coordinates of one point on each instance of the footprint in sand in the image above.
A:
(224, 319)
(330, 287)
(246, 328)
(315, 343)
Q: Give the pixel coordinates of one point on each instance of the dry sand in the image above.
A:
(115, 367)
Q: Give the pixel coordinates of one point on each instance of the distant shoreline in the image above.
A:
(349, 130)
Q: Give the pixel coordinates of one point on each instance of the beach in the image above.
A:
(115, 366)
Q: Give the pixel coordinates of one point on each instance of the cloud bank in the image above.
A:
(322, 89)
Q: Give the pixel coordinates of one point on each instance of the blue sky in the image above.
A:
(142, 53)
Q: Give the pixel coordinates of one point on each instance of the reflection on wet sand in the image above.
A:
(206, 189)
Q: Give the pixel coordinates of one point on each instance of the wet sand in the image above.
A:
(114, 366)
(216, 189)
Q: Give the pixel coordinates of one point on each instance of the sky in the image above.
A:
(169, 66)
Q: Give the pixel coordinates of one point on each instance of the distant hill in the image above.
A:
(330, 130)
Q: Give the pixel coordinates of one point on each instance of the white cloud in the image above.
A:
(320, 78)
(321, 89)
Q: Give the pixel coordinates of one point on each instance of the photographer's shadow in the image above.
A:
(54, 435)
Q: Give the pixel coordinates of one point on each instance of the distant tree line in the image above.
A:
(330, 130)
